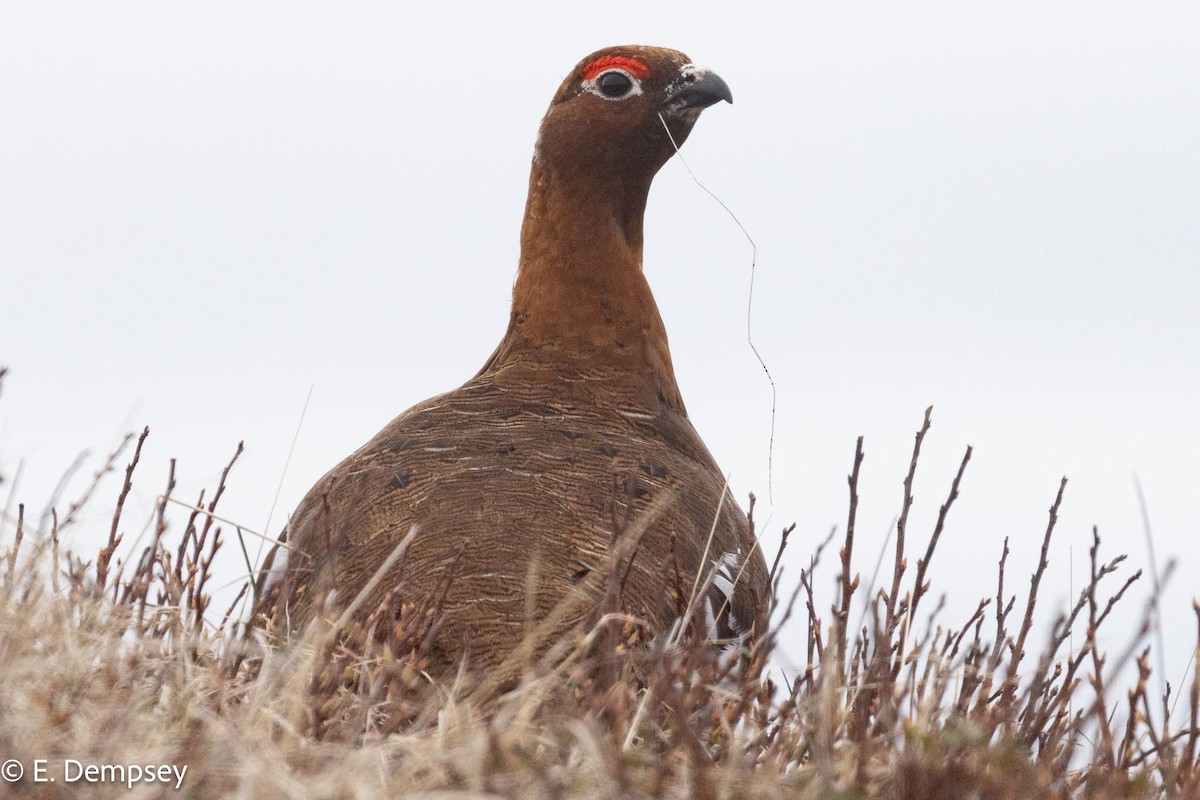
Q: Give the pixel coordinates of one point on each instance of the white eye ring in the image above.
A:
(592, 85)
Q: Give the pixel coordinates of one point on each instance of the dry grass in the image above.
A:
(120, 660)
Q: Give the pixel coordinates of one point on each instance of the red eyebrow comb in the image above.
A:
(630, 65)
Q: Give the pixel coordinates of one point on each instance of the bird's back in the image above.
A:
(521, 483)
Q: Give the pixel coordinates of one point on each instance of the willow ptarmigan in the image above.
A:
(573, 434)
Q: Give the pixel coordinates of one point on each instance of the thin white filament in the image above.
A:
(749, 305)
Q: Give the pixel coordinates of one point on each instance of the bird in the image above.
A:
(510, 492)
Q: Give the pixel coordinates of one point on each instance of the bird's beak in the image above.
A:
(698, 88)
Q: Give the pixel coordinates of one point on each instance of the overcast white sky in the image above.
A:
(993, 208)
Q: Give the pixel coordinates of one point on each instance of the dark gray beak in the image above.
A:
(703, 92)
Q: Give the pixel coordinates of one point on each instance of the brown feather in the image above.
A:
(574, 424)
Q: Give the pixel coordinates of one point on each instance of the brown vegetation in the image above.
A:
(121, 659)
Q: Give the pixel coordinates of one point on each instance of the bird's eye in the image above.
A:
(614, 84)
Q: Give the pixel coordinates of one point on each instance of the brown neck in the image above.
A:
(580, 290)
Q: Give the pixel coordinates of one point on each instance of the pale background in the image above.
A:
(994, 208)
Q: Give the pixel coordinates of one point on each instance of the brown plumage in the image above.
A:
(571, 435)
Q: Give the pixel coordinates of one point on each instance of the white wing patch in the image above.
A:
(725, 575)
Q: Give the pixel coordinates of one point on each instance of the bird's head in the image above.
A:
(611, 114)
